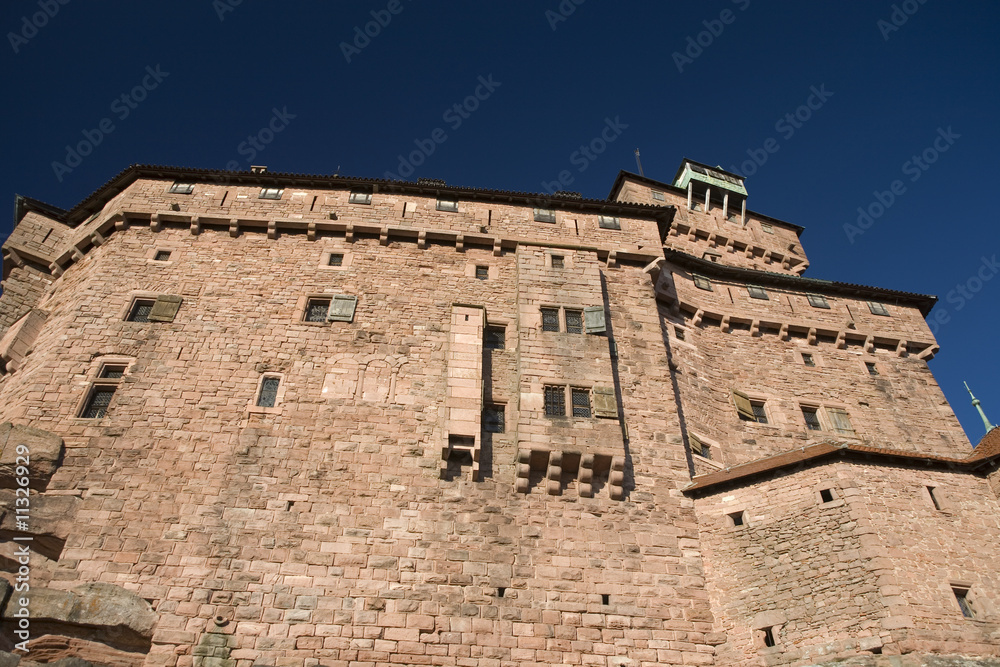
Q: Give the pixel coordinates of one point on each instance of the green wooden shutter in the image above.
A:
(342, 308)
(743, 406)
(605, 404)
(593, 317)
(165, 308)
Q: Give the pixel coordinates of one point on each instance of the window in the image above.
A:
(701, 282)
(877, 308)
(766, 228)
(737, 518)
(270, 193)
(342, 307)
(757, 292)
(550, 319)
(139, 312)
(657, 195)
(181, 188)
(678, 333)
(494, 338)
(558, 262)
(268, 395)
(769, 637)
(934, 498)
(161, 255)
(605, 598)
(555, 401)
(872, 369)
(360, 197)
(811, 415)
(482, 272)
(450, 205)
(808, 360)
(336, 259)
(962, 597)
(698, 447)
(574, 321)
(759, 414)
(608, 222)
(818, 301)
(826, 495)
(545, 215)
(111, 372)
(581, 402)
(749, 410)
(316, 310)
(98, 401)
(840, 421)
(494, 419)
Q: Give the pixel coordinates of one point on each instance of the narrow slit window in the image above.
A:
(574, 321)
(678, 333)
(336, 259)
(555, 401)
(934, 499)
(581, 402)
(769, 637)
(98, 402)
(550, 319)
(268, 392)
(811, 415)
(140, 310)
(501, 590)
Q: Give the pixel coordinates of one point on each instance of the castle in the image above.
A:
(258, 418)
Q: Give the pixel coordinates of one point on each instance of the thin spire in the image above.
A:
(977, 406)
(637, 162)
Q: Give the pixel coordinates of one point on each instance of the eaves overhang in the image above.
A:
(95, 201)
(924, 302)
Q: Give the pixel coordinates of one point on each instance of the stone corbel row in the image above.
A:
(554, 474)
(716, 240)
(683, 309)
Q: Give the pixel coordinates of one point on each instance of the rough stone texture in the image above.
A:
(50, 522)
(322, 531)
(45, 454)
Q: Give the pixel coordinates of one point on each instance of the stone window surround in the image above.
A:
(133, 296)
(562, 319)
(568, 387)
(470, 269)
(161, 247)
(506, 326)
(567, 256)
(713, 446)
(94, 381)
(324, 259)
(253, 408)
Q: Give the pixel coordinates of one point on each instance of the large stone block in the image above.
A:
(49, 521)
(45, 451)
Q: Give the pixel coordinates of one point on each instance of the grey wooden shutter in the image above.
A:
(165, 308)
(605, 404)
(593, 316)
(743, 406)
(342, 308)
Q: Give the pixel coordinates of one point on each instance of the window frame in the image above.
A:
(181, 188)
(557, 261)
(157, 253)
(103, 381)
(578, 316)
(137, 303)
(609, 222)
(88, 401)
(501, 409)
(583, 394)
(878, 308)
(818, 301)
(701, 282)
(547, 215)
(767, 227)
(808, 359)
(310, 300)
(654, 193)
(549, 310)
(274, 194)
(258, 394)
(814, 411)
(360, 196)
(340, 259)
(758, 292)
(494, 328)
(558, 400)
(482, 272)
(446, 205)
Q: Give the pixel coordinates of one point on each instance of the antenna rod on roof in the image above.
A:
(638, 163)
(977, 406)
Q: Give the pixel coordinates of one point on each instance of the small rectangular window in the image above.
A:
(877, 308)
(699, 447)
(98, 402)
(766, 228)
(316, 310)
(494, 338)
(811, 415)
(360, 197)
(818, 301)
(181, 188)
(574, 321)
(336, 259)
(678, 333)
(268, 392)
(558, 262)
(701, 282)
(712, 256)
(545, 215)
(482, 272)
(757, 292)
(840, 421)
(808, 360)
(962, 597)
(111, 372)
(550, 319)
(161, 255)
(657, 195)
(270, 193)
(872, 369)
(608, 222)
(826, 495)
(581, 402)
(450, 205)
(759, 413)
(555, 401)
(769, 637)
(934, 498)
(494, 419)
(139, 312)
(737, 518)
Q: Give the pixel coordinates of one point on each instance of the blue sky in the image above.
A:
(902, 125)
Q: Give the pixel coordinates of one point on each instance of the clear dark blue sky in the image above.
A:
(890, 90)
